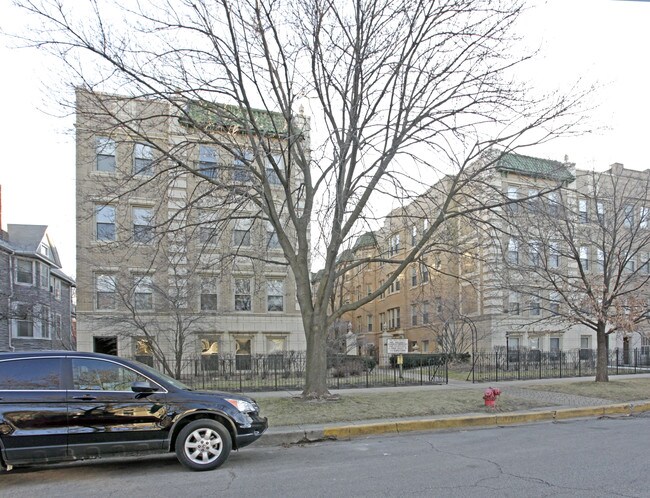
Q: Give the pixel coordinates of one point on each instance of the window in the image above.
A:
(583, 215)
(513, 251)
(209, 294)
(600, 212)
(584, 257)
(242, 167)
(143, 296)
(535, 253)
(630, 265)
(555, 344)
(414, 235)
(272, 176)
(393, 318)
(56, 326)
(414, 314)
(513, 195)
(105, 149)
(56, 287)
(513, 303)
(272, 241)
(439, 305)
(533, 342)
(382, 321)
(425, 224)
(142, 225)
(368, 289)
(585, 341)
(242, 354)
(414, 276)
(425, 312)
(369, 322)
(105, 223)
(242, 233)
(24, 271)
(44, 249)
(644, 215)
(106, 289)
(534, 306)
(554, 255)
(208, 231)
(22, 320)
(393, 247)
(644, 263)
(207, 161)
(600, 260)
(275, 295)
(242, 294)
(628, 216)
(424, 272)
(44, 271)
(553, 203)
(33, 374)
(425, 346)
(100, 375)
(533, 202)
(142, 159)
(554, 303)
(42, 321)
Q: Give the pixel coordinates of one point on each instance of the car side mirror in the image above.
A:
(143, 387)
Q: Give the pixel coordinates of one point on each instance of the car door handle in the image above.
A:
(85, 397)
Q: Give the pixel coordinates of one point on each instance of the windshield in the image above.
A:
(157, 373)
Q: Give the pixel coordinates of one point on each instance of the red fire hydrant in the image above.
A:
(490, 395)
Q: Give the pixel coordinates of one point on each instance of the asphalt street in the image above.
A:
(604, 457)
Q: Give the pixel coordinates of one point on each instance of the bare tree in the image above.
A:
(583, 255)
(399, 91)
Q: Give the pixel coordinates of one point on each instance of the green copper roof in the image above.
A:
(231, 116)
(534, 166)
(366, 240)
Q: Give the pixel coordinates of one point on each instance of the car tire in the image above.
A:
(203, 445)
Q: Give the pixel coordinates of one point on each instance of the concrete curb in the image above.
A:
(360, 430)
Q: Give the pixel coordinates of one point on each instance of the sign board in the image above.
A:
(397, 346)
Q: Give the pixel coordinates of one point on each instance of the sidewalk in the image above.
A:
(558, 406)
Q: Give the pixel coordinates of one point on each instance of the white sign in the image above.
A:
(397, 346)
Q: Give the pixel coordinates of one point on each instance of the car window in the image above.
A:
(100, 375)
(27, 374)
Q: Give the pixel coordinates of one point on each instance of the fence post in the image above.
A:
(518, 364)
(367, 377)
(395, 376)
(561, 355)
(579, 365)
(496, 366)
(616, 361)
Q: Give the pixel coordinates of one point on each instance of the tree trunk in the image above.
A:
(316, 370)
(602, 353)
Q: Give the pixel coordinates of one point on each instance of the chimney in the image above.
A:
(616, 169)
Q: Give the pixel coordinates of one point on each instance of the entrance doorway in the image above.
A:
(106, 345)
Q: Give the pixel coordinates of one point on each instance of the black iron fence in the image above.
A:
(287, 371)
(535, 364)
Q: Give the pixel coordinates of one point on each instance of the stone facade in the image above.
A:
(168, 256)
(482, 289)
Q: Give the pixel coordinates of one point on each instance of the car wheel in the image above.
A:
(203, 445)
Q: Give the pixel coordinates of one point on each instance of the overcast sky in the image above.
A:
(604, 41)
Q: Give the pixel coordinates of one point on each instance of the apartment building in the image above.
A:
(36, 305)
(510, 277)
(176, 262)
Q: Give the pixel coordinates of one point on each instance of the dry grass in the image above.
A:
(351, 407)
(614, 390)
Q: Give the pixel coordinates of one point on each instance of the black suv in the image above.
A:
(66, 405)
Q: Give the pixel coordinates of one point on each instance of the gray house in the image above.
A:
(36, 308)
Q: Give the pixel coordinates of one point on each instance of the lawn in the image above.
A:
(355, 406)
(615, 390)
